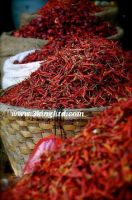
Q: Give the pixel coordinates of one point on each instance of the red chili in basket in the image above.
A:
(84, 73)
(94, 165)
(51, 4)
(75, 18)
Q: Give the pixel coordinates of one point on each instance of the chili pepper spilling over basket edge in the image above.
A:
(56, 21)
(95, 165)
(84, 73)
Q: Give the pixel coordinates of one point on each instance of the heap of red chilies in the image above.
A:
(73, 19)
(84, 73)
(87, 4)
(48, 50)
(95, 165)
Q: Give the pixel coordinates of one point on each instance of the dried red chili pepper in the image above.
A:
(75, 18)
(91, 7)
(95, 165)
(75, 76)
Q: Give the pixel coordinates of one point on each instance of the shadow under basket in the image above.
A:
(22, 128)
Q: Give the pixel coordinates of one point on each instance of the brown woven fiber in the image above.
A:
(20, 133)
(26, 18)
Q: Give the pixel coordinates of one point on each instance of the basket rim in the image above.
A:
(29, 112)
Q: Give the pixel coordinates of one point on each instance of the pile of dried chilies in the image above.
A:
(48, 50)
(51, 4)
(95, 165)
(73, 19)
(84, 73)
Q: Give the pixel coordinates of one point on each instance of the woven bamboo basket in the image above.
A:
(20, 132)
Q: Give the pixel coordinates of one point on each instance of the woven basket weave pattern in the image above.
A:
(20, 134)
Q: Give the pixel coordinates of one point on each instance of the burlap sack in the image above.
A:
(10, 46)
(109, 14)
(118, 36)
(26, 18)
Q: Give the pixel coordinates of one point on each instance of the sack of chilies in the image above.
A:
(15, 73)
(45, 144)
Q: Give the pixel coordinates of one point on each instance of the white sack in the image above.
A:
(15, 73)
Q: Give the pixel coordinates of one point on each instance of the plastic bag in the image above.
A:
(45, 144)
(15, 73)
